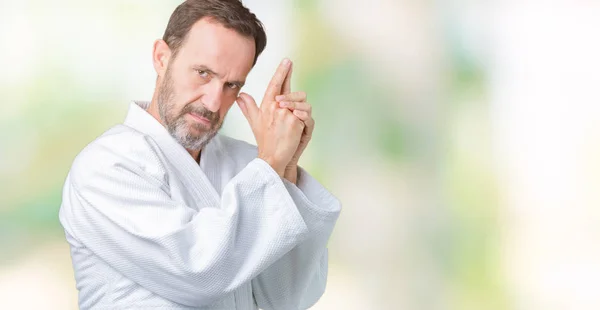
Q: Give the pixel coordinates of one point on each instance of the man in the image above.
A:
(161, 212)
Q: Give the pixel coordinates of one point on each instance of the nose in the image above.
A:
(213, 96)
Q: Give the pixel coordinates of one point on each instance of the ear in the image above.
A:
(161, 54)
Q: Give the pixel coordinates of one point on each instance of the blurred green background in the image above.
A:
(463, 138)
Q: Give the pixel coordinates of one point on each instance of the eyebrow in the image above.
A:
(212, 72)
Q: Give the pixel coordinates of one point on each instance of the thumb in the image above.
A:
(248, 106)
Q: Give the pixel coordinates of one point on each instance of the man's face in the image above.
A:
(202, 82)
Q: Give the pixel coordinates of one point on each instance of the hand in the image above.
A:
(277, 131)
(296, 102)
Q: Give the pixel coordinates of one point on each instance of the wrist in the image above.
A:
(292, 164)
(277, 167)
(291, 173)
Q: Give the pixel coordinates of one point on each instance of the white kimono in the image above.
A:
(149, 228)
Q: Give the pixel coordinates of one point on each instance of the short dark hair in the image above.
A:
(232, 14)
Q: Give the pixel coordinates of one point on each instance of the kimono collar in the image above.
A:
(139, 119)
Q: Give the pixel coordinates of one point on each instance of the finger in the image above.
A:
(248, 106)
(276, 83)
(309, 122)
(301, 106)
(295, 96)
(302, 115)
(287, 83)
(309, 126)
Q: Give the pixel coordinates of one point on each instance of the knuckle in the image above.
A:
(271, 108)
(297, 123)
(266, 107)
(281, 115)
(295, 120)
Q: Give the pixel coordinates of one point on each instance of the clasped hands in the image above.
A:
(283, 123)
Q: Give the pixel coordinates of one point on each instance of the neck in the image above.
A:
(153, 110)
(195, 155)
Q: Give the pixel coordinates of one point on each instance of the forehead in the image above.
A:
(223, 50)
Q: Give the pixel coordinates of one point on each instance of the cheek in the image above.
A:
(183, 84)
(184, 93)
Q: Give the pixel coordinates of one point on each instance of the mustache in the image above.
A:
(213, 117)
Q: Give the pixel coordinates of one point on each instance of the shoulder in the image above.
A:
(120, 148)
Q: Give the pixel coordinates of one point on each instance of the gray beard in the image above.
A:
(176, 124)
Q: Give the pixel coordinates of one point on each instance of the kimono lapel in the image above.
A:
(210, 163)
(187, 168)
(218, 162)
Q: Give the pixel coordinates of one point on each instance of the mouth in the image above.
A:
(200, 119)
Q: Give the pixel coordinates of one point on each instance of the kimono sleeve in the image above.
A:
(299, 278)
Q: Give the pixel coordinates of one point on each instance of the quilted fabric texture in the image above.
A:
(149, 228)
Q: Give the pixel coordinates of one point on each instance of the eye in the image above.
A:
(232, 86)
(202, 73)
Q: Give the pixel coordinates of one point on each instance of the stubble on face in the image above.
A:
(192, 136)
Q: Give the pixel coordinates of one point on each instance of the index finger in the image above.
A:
(286, 88)
(276, 83)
